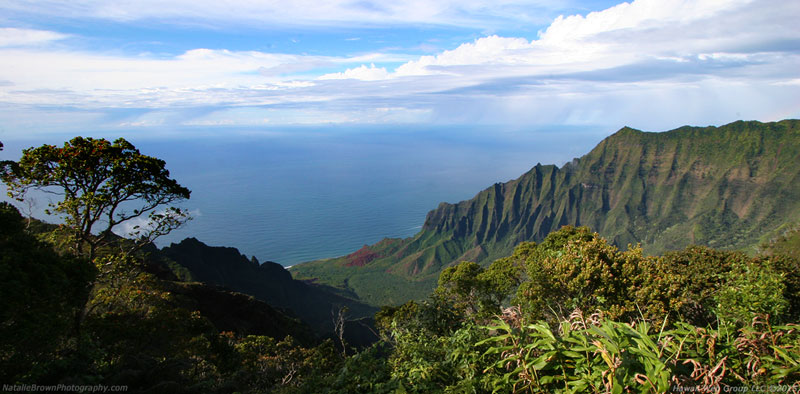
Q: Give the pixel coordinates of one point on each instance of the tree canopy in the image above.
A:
(102, 184)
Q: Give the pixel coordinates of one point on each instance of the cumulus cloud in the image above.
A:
(362, 72)
(642, 61)
(710, 61)
(624, 34)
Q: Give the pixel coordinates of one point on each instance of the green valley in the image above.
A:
(692, 281)
(731, 187)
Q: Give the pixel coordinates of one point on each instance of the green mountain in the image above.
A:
(729, 187)
(787, 244)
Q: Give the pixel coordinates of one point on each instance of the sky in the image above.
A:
(152, 65)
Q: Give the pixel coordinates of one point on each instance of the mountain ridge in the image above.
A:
(269, 282)
(728, 187)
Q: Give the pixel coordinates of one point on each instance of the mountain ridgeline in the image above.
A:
(729, 187)
(267, 281)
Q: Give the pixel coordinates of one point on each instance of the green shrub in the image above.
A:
(751, 289)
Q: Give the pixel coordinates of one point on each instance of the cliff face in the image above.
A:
(723, 187)
(728, 187)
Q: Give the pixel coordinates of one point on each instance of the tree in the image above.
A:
(475, 291)
(102, 185)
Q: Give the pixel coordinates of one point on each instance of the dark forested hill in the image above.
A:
(728, 187)
(268, 282)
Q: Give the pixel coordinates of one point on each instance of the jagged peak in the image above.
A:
(628, 130)
(624, 134)
(189, 241)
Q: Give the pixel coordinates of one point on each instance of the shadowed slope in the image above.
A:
(268, 282)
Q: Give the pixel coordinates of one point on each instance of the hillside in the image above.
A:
(268, 282)
(730, 187)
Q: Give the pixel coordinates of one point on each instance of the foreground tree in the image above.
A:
(102, 185)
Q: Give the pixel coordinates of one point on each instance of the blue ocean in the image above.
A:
(297, 194)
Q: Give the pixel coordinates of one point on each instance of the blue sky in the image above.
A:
(154, 65)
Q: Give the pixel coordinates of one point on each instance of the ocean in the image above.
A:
(297, 194)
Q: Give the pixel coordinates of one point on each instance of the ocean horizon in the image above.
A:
(301, 194)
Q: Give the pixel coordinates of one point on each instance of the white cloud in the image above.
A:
(196, 77)
(362, 73)
(13, 37)
(470, 13)
(492, 50)
(648, 59)
(621, 35)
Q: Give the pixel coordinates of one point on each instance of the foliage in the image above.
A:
(102, 185)
(461, 285)
(784, 255)
(574, 268)
(599, 355)
(695, 275)
(477, 292)
(697, 319)
(367, 371)
(132, 331)
(267, 281)
(787, 244)
(430, 363)
(136, 331)
(751, 289)
(41, 293)
(267, 364)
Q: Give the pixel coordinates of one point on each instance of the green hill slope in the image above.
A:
(728, 187)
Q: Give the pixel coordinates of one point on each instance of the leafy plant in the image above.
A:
(600, 355)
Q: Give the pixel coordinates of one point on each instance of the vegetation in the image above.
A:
(730, 187)
(42, 292)
(787, 244)
(571, 314)
(704, 337)
(267, 281)
(102, 185)
(82, 306)
(491, 329)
